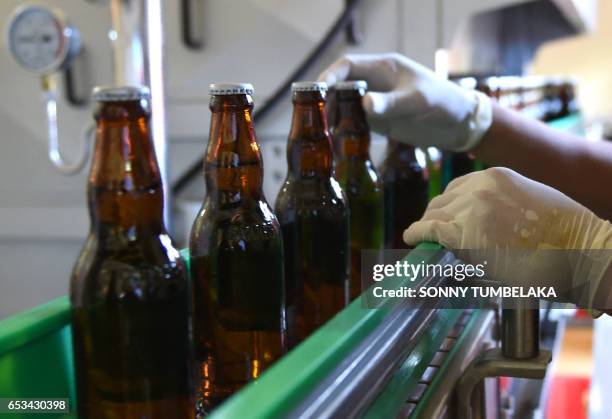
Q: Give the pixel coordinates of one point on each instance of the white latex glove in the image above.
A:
(530, 233)
(409, 103)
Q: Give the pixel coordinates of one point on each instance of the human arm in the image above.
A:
(575, 166)
(411, 104)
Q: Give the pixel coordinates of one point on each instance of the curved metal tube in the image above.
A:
(493, 363)
(55, 154)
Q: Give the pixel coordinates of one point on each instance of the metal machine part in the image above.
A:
(50, 98)
(42, 41)
(520, 333)
(520, 356)
(492, 363)
(437, 399)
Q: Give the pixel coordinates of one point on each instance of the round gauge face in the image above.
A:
(38, 39)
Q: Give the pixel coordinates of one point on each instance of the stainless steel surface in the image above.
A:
(492, 363)
(477, 339)
(358, 380)
(520, 333)
(50, 97)
(137, 38)
(128, 38)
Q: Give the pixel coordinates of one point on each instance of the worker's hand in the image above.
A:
(409, 103)
(530, 233)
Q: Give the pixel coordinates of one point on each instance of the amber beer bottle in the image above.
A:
(129, 290)
(314, 216)
(406, 186)
(357, 175)
(236, 256)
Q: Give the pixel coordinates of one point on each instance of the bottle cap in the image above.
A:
(120, 93)
(352, 85)
(309, 86)
(230, 89)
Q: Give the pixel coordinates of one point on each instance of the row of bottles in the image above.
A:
(148, 342)
(537, 97)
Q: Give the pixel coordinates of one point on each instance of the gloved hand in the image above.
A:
(530, 233)
(409, 103)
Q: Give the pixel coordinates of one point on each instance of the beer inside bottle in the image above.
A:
(129, 290)
(314, 217)
(406, 191)
(236, 256)
(357, 175)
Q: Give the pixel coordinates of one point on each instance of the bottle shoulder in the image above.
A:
(141, 270)
(137, 249)
(359, 173)
(311, 198)
(229, 224)
(392, 168)
(253, 211)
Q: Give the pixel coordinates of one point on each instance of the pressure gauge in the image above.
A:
(40, 39)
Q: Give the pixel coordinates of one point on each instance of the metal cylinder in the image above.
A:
(520, 333)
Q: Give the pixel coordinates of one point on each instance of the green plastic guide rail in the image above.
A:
(393, 396)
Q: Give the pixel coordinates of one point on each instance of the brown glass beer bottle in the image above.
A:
(314, 216)
(236, 256)
(357, 175)
(406, 191)
(129, 290)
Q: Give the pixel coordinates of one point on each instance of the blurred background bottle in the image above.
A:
(357, 175)
(314, 216)
(236, 256)
(406, 191)
(129, 289)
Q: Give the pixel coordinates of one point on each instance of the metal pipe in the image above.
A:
(137, 40)
(520, 333)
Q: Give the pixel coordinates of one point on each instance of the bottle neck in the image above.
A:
(401, 151)
(124, 187)
(351, 130)
(309, 152)
(233, 167)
